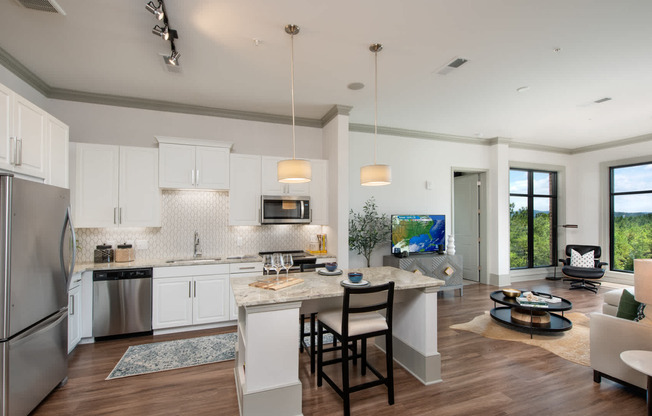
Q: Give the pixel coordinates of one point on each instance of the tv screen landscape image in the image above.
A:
(418, 233)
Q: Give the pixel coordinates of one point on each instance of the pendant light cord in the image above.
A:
(292, 89)
(375, 102)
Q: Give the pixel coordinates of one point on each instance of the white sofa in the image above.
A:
(610, 336)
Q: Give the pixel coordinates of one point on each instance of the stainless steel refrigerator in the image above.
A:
(37, 256)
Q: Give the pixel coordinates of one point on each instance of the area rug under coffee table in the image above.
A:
(572, 345)
(170, 355)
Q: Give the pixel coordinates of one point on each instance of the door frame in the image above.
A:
(483, 229)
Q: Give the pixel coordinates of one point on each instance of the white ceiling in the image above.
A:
(605, 51)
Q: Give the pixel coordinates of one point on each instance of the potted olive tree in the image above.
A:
(367, 229)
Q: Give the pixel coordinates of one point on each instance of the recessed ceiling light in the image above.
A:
(522, 89)
(257, 42)
(355, 86)
(557, 50)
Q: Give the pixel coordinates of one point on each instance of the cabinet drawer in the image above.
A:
(246, 267)
(196, 270)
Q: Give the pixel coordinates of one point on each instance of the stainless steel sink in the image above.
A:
(195, 261)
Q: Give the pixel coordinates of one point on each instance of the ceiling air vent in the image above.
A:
(454, 64)
(602, 100)
(42, 5)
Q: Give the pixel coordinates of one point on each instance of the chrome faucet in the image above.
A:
(197, 248)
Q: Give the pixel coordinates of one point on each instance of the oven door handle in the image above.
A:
(312, 266)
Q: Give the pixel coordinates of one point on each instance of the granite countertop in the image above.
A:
(206, 261)
(316, 286)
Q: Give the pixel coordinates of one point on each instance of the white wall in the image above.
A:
(413, 162)
(104, 124)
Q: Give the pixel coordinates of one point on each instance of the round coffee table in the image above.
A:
(641, 361)
(512, 313)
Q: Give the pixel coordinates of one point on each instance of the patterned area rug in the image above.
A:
(170, 355)
(572, 345)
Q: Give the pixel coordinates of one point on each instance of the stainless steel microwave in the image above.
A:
(285, 209)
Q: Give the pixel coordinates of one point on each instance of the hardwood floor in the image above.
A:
(481, 376)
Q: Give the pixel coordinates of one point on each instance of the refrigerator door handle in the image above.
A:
(44, 326)
(67, 273)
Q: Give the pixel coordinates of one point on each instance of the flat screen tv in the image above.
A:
(418, 233)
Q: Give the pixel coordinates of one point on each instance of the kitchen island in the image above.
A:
(267, 357)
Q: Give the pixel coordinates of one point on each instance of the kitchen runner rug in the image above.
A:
(571, 345)
(170, 355)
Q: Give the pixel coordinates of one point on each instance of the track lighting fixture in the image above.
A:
(165, 32)
(173, 59)
(157, 11)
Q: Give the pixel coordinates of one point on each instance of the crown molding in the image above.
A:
(540, 147)
(416, 134)
(22, 72)
(158, 105)
(336, 110)
(617, 143)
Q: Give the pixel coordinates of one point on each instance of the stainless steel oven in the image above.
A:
(285, 209)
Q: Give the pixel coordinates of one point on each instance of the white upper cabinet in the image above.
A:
(29, 131)
(116, 186)
(319, 192)
(33, 144)
(244, 195)
(270, 183)
(57, 141)
(6, 128)
(193, 164)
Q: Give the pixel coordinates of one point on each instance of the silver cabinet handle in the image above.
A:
(115, 215)
(19, 153)
(72, 305)
(13, 146)
(247, 268)
(189, 289)
(195, 282)
(193, 177)
(197, 177)
(120, 215)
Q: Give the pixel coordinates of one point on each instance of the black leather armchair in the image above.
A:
(583, 277)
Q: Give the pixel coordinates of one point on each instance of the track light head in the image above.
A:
(173, 59)
(157, 11)
(163, 32)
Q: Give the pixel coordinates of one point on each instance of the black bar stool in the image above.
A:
(353, 324)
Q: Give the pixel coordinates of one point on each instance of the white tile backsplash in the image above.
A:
(207, 212)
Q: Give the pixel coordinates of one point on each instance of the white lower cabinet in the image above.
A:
(74, 312)
(190, 295)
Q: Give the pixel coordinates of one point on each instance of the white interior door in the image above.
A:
(467, 224)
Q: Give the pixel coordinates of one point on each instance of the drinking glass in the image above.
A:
(267, 263)
(287, 263)
(277, 263)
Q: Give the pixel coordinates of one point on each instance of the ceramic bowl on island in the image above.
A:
(331, 267)
(355, 277)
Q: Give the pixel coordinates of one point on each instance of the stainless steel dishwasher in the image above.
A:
(122, 302)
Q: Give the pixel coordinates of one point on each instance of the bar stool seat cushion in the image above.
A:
(360, 323)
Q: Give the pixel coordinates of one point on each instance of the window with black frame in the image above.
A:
(630, 235)
(533, 218)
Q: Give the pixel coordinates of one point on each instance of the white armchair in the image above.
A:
(610, 336)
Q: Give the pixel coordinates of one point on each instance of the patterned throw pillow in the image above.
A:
(586, 260)
(640, 314)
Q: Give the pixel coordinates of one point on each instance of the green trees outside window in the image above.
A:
(533, 218)
(631, 215)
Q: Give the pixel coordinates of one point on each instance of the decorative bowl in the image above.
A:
(511, 293)
(331, 267)
(355, 277)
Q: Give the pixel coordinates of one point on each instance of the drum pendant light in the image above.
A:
(293, 170)
(375, 175)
